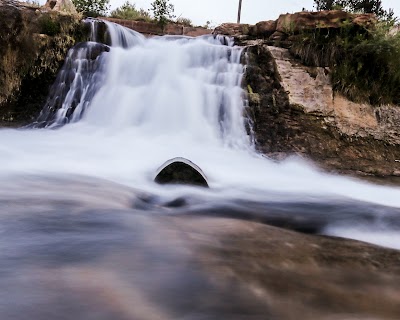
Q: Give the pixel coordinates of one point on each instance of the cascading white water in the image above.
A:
(174, 87)
(149, 100)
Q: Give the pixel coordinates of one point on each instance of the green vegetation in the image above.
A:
(163, 11)
(128, 11)
(184, 21)
(370, 69)
(92, 8)
(49, 26)
(356, 6)
(364, 64)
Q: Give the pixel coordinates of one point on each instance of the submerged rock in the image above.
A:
(180, 171)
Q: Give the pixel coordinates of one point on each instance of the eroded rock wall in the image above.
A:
(297, 112)
(33, 46)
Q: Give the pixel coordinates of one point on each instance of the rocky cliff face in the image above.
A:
(33, 46)
(295, 110)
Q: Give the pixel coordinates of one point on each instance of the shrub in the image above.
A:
(365, 64)
(92, 8)
(184, 21)
(369, 71)
(128, 11)
(356, 6)
(49, 26)
(163, 11)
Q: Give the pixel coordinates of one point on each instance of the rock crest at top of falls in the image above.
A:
(305, 20)
(290, 23)
(294, 108)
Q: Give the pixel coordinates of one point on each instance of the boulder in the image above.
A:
(65, 6)
(180, 171)
(365, 20)
(232, 29)
(264, 28)
(299, 21)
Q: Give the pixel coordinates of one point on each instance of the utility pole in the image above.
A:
(239, 11)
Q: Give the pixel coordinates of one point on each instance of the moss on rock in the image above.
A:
(33, 46)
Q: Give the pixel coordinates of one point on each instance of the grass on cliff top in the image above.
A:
(365, 63)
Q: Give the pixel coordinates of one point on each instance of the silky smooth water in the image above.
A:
(128, 108)
(85, 233)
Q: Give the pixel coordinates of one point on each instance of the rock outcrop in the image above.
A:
(294, 108)
(181, 171)
(297, 112)
(33, 45)
(289, 24)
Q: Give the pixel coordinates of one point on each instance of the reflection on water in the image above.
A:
(82, 248)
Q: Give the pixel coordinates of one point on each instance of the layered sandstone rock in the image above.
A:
(299, 113)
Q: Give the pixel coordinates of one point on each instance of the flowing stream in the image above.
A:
(79, 181)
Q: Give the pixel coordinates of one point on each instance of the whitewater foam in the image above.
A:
(167, 97)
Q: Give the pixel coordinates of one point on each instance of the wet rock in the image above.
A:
(315, 276)
(180, 171)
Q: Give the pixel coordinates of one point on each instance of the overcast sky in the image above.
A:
(218, 11)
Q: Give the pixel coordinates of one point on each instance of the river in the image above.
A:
(78, 202)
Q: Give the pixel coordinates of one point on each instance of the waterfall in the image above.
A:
(124, 107)
(164, 84)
